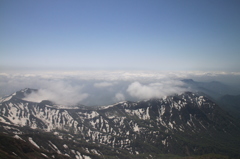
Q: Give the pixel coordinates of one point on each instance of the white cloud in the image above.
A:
(119, 97)
(104, 87)
(56, 97)
(59, 92)
(103, 84)
(155, 90)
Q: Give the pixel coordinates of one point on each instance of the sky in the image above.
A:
(174, 35)
(96, 52)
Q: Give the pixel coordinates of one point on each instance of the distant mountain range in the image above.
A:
(189, 124)
(214, 89)
(226, 96)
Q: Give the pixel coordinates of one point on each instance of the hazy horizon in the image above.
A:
(93, 87)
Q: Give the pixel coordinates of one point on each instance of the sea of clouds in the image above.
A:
(104, 87)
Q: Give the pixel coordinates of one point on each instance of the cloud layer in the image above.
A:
(155, 90)
(103, 84)
(59, 93)
(103, 87)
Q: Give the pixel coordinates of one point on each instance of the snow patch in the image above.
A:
(109, 106)
(171, 125)
(44, 155)
(65, 146)
(136, 128)
(5, 99)
(95, 152)
(140, 113)
(86, 157)
(4, 121)
(18, 137)
(164, 142)
(55, 147)
(78, 155)
(32, 142)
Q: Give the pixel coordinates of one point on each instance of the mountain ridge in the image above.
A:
(185, 124)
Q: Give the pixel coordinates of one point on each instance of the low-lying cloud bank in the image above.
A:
(64, 95)
(105, 87)
(103, 84)
(156, 90)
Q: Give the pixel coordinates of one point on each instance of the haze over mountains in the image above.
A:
(108, 87)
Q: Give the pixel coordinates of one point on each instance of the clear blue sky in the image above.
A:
(120, 34)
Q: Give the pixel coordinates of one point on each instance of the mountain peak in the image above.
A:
(24, 92)
(28, 90)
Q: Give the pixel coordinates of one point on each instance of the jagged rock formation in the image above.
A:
(186, 124)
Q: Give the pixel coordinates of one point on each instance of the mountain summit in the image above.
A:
(184, 125)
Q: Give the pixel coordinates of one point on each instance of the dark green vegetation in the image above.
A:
(186, 126)
(12, 148)
(231, 103)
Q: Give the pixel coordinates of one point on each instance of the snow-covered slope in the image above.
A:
(165, 124)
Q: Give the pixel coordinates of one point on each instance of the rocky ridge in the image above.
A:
(184, 125)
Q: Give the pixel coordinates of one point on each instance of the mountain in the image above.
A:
(189, 124)
(226, 96)
(214, 89)
(231, 103)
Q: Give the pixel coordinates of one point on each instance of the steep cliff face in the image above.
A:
(186, 124)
